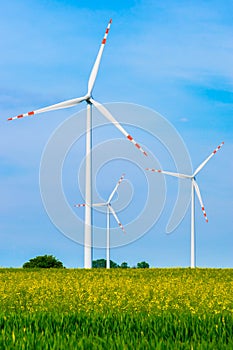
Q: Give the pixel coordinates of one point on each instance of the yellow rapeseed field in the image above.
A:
(151, 291)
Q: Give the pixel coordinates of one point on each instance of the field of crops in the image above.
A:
(116, 309)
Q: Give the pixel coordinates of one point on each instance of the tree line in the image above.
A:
(101, 263)
(49, 261)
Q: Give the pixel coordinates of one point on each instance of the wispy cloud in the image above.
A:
(184, 120)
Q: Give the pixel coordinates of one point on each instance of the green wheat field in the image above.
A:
(116, 309)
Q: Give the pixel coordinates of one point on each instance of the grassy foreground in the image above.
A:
(116, 309)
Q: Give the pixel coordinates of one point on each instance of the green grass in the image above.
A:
(115, 331)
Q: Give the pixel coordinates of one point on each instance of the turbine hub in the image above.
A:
(88, 100)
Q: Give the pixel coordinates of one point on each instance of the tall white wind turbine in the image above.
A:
(194, 188)
(90, 101)
(109, 209)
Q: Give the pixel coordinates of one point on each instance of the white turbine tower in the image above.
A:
(194, 188)
(90, 101)
(109, 209)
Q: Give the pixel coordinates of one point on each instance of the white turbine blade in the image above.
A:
(80, 205)
(93, 205)
(207, 159)
(95, 68)
(99, 204)
(200, 199)
(65, 104)
(181, 176)
(109, 116)
(116, 218)
(116, 187)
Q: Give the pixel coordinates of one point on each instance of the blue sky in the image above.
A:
(174, 57)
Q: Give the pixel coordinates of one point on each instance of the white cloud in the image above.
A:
(184, 120)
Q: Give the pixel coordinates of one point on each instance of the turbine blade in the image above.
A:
(207, 159)
(200, 199)
(116, 218)
(99, 204)
(116, 187)
(109, 116)
(95, 68)
(93, 205)
(65, 104)
(181, 176)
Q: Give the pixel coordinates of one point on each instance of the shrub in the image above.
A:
(45, 261)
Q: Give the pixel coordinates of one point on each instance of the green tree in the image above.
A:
(143, 265)
(124, 265)
(113, 265)
(101, 263)
(45, 261)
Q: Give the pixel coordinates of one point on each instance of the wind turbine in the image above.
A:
(109, 209)
(88, 168)
(194, 188)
